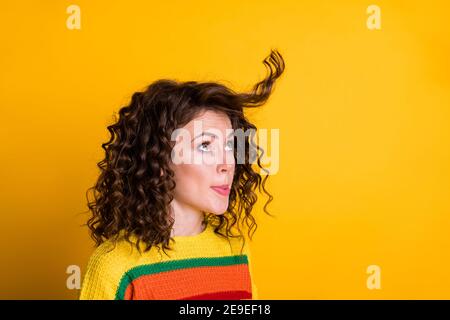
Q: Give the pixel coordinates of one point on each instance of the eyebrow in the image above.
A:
(209, 134)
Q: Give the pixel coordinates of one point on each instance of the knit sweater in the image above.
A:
(200, 267)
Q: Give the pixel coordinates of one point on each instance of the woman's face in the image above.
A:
(209, 140)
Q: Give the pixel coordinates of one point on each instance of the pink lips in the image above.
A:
(223, 190)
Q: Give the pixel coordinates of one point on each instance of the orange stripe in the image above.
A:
(182, 283)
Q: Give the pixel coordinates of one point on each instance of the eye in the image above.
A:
(204, 144)
(230, 145)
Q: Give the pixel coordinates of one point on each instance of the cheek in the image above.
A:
(190, 178)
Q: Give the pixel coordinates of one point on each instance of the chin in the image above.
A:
(217, 211)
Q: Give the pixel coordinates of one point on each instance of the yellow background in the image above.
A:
(363, 118)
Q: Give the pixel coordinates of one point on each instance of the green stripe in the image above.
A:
(148, 269)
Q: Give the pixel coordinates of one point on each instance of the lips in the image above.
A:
(223, 190)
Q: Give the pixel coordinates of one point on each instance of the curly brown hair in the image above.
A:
(135, 186)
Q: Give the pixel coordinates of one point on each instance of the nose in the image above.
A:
(225, 161)
(224, 167)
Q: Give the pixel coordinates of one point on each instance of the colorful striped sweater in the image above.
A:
(201, 267)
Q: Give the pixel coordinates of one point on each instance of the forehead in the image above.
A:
(210, 119)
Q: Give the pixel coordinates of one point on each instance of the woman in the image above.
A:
(146, 199)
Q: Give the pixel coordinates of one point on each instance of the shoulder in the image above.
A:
(106, 267)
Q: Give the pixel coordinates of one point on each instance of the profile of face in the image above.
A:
(210, 144)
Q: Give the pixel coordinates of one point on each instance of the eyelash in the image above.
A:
(208, 143)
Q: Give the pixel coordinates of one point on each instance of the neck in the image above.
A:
(188, 220)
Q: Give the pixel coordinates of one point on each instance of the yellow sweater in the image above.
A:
(200, 267)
